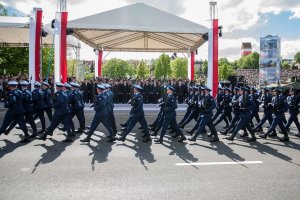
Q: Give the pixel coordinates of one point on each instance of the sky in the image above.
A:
(242, 21)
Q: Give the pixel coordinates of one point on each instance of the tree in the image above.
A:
(15, 60)
(179, 67)
(117, 68)
(250, 61)
(286, 65)
(3, 10)
(297, 57)
(142, 70)
(204, 67)
(223, 61)
(225, 71)
(162, 67)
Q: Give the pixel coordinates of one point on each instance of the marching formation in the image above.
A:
(243, 102)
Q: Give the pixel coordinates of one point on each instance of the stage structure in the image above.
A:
(120, 30)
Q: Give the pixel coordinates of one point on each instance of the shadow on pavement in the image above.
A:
(10, 147)
(266, 149)
(143, 151)
(52, 152)
(223, 149)
(100, 151)
(180, 150)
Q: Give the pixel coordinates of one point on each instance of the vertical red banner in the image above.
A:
(37, 56)
(63, 47)
(215, 57)
(100, 54)
(192, 66)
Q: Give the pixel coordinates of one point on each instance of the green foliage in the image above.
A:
(223, 61)
(3, 10)
(250, 61)
(15, 60)
(224, 71)
(286, 65)
(162, 67)
(88, 75)
(179, 67)
(72, 67)
(204, 67)
(117, 68)
(297, 57)
(47, 53)
(142, 70)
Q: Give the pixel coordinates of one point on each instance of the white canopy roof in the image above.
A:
(139, 27)
(14, 31)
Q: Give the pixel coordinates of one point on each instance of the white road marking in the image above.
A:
(220, 163)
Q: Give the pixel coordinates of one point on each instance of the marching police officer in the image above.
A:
(78, 106)
(219, 99)
(170, 116)
(255, 109)
(226, 109)
(47, 100)
(27, 105)
(15, 110)
(293, 102)
(194, 114)
(61, 113)
(279, 106)
(266, 101)
(109, 96)
(190, 102)
(206, 105)
(101, 115)
(236, 111)
(245, 116)
(38, 104)
(137, 115)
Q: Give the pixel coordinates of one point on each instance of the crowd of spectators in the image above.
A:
(251, 76)
(152, 88)
(121, 88)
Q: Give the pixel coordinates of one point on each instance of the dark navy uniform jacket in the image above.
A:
(27, 100)
(47, 98)
(226, 101)
(266, 100)
(100, 105)
(207, 104)
(80, 98)
(38, 99)
(245, 104)
(235, 103)
(14, 103)
(293, 102)
(255, 98)
(219, 99)
(279, 106)
(137, 106)
(109, 100)
(61, 103)
(171, 106)
(75, 103)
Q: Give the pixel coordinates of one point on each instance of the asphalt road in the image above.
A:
(266, 169)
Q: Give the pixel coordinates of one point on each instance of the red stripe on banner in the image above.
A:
(63, 47)
(37, 53)
(100, 54)
(192, 66)
(215, 57)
